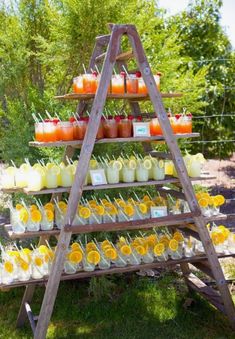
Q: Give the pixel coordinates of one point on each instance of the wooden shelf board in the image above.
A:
(132, 97)
(134, 225)
(168, 180)
(112, 270)
(78, 143)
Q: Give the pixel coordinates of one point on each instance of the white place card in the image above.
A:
(98, 177)
(141, 129)
(158, 211)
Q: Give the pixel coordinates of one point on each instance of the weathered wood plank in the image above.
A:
(78, 143)
(207, 292)
(126, 96)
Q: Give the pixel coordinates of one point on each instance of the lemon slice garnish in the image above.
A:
(93, 164)
(132, 164)
(25, 167)
(117, 165)
(147, 164)
(161, 163)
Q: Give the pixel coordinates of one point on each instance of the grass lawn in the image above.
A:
(120, 307)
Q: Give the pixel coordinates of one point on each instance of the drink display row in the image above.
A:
(46, 217)
(135, 168)
(35, 263)
(119, 126)
(120, 83)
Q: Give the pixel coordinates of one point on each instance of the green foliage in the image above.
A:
(43, 45)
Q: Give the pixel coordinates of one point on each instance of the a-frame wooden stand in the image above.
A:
(221, 298)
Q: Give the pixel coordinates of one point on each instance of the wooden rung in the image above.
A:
(207, 292)
(125, 56)
(30, 317)
(112, 270)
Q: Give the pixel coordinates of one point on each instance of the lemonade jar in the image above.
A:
(21, 176)
(67, 175)
(142, 170)
(145, 255)
(73, 261)
(110, 213)
(92, 259)
(60, 212)
(142, 211)
(8, 177)
(128, 171)
(175, 250)
(34, 221)
(113, 169)
(158, 169)
(51, 177)
(160, 252)
(36, 179)
(189, 248)
(47, 222)
(24, 266)
(169, 167)
(9, 270)
(19, 219)
(37, 265)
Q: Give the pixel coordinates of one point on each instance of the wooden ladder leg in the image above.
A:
(76, 191)
(182, 172)
(27, 298)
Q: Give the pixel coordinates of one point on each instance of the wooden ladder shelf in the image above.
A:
(108, 48)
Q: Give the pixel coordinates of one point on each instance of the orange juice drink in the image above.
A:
(174, 124)
(66, 130)
(142, 89)
(89, 83)
(185, 124)
(132, 84)
(39, 131)
(118, 84)
(49, 131)
(78, 85)
(79, 129)
(155, 128)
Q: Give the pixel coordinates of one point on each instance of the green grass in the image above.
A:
(126, 307)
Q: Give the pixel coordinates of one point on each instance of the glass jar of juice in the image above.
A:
(185, 123)
(39, 131)
(89, 83)
(174, 124)
(57, 128)
(110, 128)
(128, 174)
(142, 89)
(125, 128)
(157, 78)
(79, 129)
(112, 175)
(132, 84)
(78, 85)
(142, 174)
(117, 83)
(100, 132)
(49, 132)
(66, 130)
(155, 128)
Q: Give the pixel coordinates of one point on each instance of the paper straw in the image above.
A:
(48, 114)
(124, 68)
(57, 116)
(136, 196)
(40, 117)
(84, 68)
(13, 163)
(97, 69)
(35, 118)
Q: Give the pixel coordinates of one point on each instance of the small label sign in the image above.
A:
(141, 129)
(158, 211)
(98, 177)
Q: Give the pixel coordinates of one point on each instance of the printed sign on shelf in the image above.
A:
(158, 211)
(98, 177)
(141, 129)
